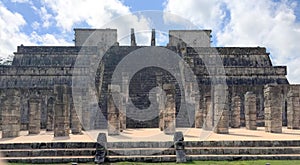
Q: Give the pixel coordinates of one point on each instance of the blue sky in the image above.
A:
(274, 24)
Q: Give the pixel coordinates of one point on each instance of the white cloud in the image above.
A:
(204, 13)
(21, 1)
(11, 34)
(249, 23)
(98, 14)
(94, 12)
(47, 39)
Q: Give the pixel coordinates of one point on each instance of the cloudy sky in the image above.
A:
(274, 24)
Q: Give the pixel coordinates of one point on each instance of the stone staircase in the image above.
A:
(204, 150)
(60, 152)
(65, 152)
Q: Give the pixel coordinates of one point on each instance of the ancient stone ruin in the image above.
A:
(38, 90)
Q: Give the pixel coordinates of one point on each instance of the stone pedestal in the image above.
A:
(113, 111)
(208, 114)
(236, 112)
(293, 109)
(61, 120)
(250, 111)
(34, 115)
(273, 108)
(11, 113)
(170, 110)
(221, 111)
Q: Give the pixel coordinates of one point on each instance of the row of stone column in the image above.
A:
(213, 114)
(58, 113)
(116, 112)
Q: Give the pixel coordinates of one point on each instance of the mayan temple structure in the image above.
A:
(37, 90)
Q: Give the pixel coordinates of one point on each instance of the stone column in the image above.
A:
(50, 114)
(75, 122)
(34, 115)
(124, 99)
(61, 120)
(199, 112)
(161, 100)
(170, 109)
(11, 113)
(221, 110)
(273, 108)
(208, 113)
(113, 111)
(236, 112)
(250, 111)
(86, 114)
(293, 109)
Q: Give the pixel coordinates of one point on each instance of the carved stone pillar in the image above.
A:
(221, 110)
(61, 120)
(50, 114)
(170, 109)
(124, 100)
(113, 112)
(293, 109)
(250, 111)
(34, 115)
(273, 108)
(11, 113)
(208, 113)
(236, 112)
(199, 112)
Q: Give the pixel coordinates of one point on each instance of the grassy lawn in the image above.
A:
(254, 162)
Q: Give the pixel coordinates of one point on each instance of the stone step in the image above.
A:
(120, 145)
(205, 151)
(262, 143)
(169, 144)
(244, 157)
(241, 150)
(141, 151)
(172, 158)
(49, 159)
(143, 158)
(47, 145)
(47, 152)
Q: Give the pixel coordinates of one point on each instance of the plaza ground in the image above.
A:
(154, 134)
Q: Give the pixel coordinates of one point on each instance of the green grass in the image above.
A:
(250, 162)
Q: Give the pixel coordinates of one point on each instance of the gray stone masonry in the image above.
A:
(113, 112)
(34, 115)
(221, 111)
(169, 112)
(11, 113)
(273, 108)
(250, 111)
(62, 108)
(293, 108)
(236, 112)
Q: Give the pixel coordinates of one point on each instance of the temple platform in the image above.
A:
(154, 134)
